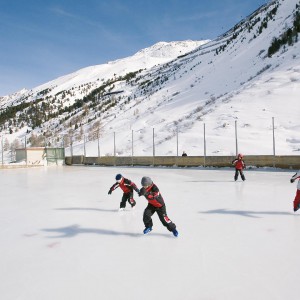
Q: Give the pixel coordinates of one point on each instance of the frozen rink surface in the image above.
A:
(63, 238)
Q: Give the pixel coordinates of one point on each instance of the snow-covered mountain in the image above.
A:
(159, 53)
(248, 77)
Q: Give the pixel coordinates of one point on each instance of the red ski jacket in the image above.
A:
(239, 164)
(153, 195)
(126, 185)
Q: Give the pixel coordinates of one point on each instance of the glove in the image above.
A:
(142, 192)
(292, 180)
(110, 191)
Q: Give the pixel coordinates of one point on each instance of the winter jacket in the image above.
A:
(153, 195)
(126, 185)
(239, 164)
(296, 176)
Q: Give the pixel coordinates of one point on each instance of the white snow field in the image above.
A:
(63, 238)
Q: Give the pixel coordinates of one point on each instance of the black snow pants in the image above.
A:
(162, 214)
(127, 197)
(236, 175)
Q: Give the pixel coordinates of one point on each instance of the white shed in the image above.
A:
(40, 156)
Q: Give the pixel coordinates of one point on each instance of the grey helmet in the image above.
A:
(146, 181)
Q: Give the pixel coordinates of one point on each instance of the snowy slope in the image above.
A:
(241, 84)
(157, 54)
(181, 86)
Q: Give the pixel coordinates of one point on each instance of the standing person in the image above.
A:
(155, 204)
(239, 166)
(127, 186)
(297, 197)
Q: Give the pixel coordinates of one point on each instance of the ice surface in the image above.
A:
(62, 236)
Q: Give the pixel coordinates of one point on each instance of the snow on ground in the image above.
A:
(62, 237)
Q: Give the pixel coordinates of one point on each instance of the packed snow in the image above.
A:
(62, 236)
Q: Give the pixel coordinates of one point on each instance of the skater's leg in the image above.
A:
(148, 212)
(162, 214)
(242, 175)
(236, 174)
(297, 201)
(123, 201)
(130, 199)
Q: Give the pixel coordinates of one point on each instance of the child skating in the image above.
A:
(127, 187)
(155, 204)
(239, 165)
(297, 197)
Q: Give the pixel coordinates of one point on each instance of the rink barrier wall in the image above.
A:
(284, 162)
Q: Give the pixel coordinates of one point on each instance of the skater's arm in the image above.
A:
(129, 183)
(135, 187)
(152, 194)
(142, 191)
(113, 187)
(295, 176)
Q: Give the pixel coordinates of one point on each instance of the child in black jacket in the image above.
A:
(155, 204)
(127, 187)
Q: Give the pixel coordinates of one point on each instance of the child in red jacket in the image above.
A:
(239, 166)
(156, 204)
(297, 197)
(127, 187)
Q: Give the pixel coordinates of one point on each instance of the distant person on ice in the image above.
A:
(297, 197)
(239, 165)
(155, 204)
(184, 153)
(127, 186)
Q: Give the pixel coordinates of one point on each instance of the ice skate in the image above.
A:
(175, 233)
(147, 230)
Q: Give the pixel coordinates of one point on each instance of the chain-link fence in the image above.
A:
(264, 137)
(16, 150)
(251, 137)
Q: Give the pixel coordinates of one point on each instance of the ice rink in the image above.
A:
(63, 238)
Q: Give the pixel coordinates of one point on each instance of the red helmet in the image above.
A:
(240, 155)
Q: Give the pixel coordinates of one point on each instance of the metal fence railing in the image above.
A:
(264, 137)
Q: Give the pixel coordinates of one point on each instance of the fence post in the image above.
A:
(236, 139)
(98, 145)
(132, 147)
(26, 150)
(2, 148)
(84, 150)
(114, 149)
(273, 142)
(177, 141)
(204, 143)
(153, 147)
(177, 146)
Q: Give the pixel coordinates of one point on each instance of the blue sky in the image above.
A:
(41, 40)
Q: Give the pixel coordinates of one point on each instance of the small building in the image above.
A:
(40, 156)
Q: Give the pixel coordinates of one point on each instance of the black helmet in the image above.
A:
(146, 181)
(118, 177)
